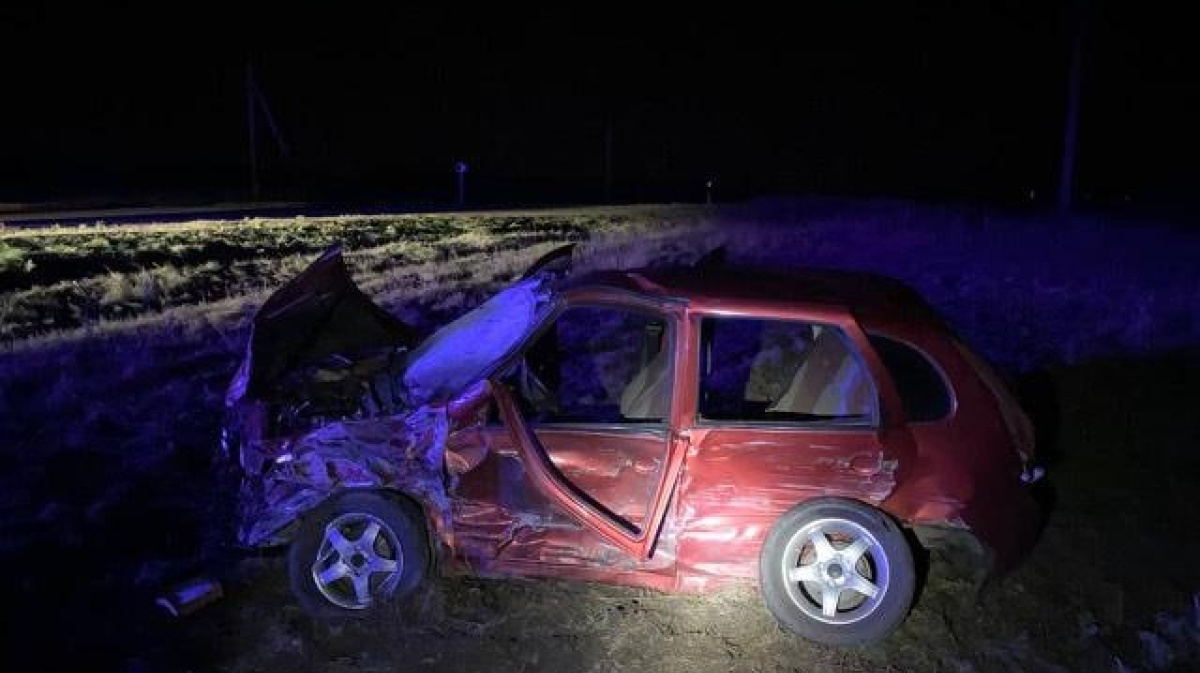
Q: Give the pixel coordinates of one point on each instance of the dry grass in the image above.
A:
(59, 280)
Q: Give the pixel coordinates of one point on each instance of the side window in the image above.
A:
(598, 365)
(923, 390)
(774, 370)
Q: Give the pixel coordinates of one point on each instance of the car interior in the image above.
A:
(769, 371)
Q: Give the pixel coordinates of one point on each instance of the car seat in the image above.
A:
(648, 395)
(830, 382)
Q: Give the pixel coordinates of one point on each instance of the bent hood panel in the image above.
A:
(319, 313)
(477, 344)
(322, 313)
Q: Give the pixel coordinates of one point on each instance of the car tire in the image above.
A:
(837, 572)
(356, 553)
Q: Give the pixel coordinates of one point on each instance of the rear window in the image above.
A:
(922, 388)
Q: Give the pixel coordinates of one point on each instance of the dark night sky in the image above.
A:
(930, 100)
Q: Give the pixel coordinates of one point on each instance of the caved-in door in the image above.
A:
(586, 456)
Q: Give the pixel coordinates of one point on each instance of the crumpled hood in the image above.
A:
(322, 313)
(474, 346)
(317, 314)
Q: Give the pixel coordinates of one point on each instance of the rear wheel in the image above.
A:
(359, 551)
(837, 572)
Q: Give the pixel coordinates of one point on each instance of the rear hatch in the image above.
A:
(1020, 428)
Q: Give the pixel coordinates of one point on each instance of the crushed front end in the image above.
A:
(332, 395)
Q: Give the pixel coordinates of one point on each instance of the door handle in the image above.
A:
(645, 465)
(867, 463)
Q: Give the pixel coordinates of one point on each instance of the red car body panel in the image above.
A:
(718, 489)
(686, 505)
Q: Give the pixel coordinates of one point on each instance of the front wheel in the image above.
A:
(837, 572)
(355, 553)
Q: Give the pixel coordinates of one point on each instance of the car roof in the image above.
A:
(872, 298)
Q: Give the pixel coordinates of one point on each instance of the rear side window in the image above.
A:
(774, 371)
(922, 388)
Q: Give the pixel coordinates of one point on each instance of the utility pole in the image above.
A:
(606, 158)
(1070, 146)
(257, 102)
(252, 130)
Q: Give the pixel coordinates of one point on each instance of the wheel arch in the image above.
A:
(872, 505)
(413, 504)
(964, 551)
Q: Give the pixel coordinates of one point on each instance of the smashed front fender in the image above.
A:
(403, 453)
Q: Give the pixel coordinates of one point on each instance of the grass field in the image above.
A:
(116, 343)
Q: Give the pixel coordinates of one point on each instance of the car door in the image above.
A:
(579, 475)
(784, 410)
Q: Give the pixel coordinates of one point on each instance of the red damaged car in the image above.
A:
(678, 429)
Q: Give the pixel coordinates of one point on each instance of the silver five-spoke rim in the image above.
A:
(359, 557)
(835, 571)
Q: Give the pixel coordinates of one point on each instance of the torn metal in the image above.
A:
(404, 451)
